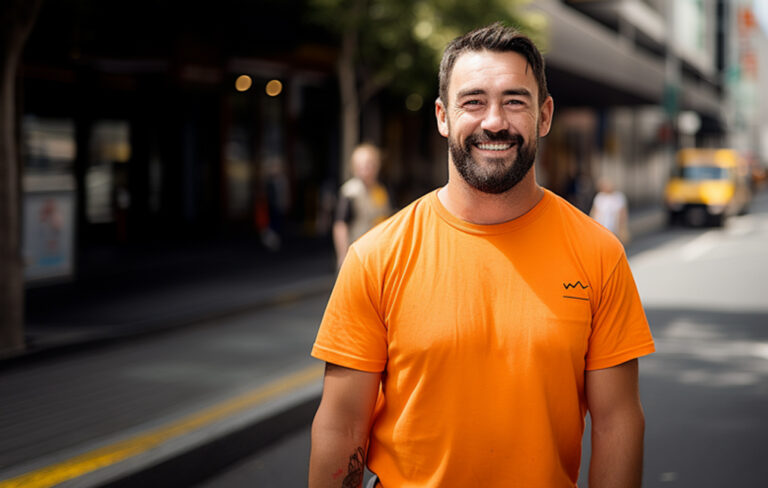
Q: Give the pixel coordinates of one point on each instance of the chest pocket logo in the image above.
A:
(575, 286)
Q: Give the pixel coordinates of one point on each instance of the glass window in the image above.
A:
(48, 146)
(106, 180)
(699, 173)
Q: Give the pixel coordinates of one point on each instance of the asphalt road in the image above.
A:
(705, 390)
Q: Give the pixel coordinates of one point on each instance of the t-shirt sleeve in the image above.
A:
(352, 333)
(344, 210)
(620, 330)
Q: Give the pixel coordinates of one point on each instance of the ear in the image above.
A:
(545, 116)
(440, 115)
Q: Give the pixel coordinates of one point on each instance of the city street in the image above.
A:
(174, 199)
(705, 390)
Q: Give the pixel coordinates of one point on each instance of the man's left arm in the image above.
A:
(618, 426)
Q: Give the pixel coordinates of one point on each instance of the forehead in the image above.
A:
(364, 154)
(491, 72)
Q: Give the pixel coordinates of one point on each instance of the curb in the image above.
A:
(188, 449)
(208, 452)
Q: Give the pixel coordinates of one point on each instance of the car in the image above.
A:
(707, 186)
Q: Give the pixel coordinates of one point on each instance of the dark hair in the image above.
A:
(498, 38)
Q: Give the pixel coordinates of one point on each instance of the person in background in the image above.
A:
(468, 335)
(363, 201)
(609, 208)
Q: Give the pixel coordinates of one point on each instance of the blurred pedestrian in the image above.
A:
(363, 201)
(467, 336)
(609, 208)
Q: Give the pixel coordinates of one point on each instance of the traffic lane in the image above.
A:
(716, 269)
(705, 394)
(675, 235)
(705, 390)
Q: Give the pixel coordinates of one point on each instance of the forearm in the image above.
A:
(337, 457)
(617, 451)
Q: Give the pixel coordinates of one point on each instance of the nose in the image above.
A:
(494, 119)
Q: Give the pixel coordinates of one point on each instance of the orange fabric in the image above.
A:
(483, 333)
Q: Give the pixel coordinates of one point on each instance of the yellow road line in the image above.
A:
(50, 476)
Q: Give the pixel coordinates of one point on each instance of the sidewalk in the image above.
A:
(143, 289)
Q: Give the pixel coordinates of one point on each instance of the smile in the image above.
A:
(494, 146)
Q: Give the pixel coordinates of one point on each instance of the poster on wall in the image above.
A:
(48, 244)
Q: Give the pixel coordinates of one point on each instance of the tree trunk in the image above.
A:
(17, 19)
(350, 106)
(350, 96)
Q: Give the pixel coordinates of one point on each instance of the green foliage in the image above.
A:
(400, 42)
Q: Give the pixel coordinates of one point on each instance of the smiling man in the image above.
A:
(468, 335)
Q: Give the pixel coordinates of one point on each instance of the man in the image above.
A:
(363, 201)
(467, 336)
(609, 208)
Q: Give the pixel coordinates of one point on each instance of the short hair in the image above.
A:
(498, 38)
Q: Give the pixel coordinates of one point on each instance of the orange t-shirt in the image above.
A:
(483, 334)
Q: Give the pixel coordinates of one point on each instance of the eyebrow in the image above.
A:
(520, 92)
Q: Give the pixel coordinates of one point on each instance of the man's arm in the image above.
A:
(341, 427)
(618, 425)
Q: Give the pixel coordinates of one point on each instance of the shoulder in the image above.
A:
(398, 230)
(584, 233)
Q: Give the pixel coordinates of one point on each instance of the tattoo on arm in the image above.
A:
(355, 469)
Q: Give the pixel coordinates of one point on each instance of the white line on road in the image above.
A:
(699, 246)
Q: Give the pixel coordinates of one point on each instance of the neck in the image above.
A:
(476, 207)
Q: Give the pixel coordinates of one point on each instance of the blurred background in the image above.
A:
(166, 163)
(159, 121)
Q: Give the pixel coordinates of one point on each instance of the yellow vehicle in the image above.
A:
(707, 186)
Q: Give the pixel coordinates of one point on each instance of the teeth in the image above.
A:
(494, 147)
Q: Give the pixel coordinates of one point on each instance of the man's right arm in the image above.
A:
(341, 427)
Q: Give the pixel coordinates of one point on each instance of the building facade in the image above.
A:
(142, 121)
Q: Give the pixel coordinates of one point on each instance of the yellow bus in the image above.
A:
(707, 186)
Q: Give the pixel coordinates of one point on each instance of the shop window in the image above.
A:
(48, 152)
(48, 147)
(106, 180)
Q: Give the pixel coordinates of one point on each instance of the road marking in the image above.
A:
(50, 476)
(741, 226)
(699, 246)
(668, 477)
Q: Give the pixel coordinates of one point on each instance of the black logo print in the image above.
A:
(574, 285)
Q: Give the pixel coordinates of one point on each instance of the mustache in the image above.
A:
(488, 136)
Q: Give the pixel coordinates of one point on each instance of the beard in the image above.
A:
(498, 175)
